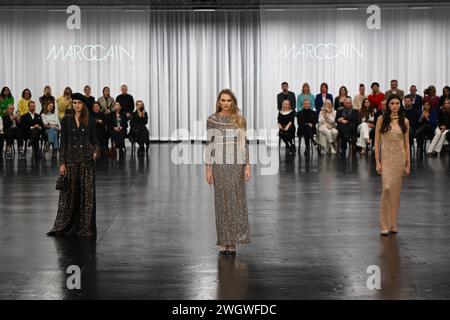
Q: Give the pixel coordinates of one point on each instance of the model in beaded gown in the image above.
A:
(392, 133)
(228, 169)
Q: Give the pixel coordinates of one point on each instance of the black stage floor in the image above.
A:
(314, 231)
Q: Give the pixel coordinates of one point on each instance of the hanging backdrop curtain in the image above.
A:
(335, 46)
(177, 62)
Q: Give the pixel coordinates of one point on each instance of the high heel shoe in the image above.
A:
(232, 250)
(384, 233)
(394, 230)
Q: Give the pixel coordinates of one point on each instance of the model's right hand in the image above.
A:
(62, 170)
(209, 175)
(379, 169)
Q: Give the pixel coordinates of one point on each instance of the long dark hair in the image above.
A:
(84, 115)
(2, 94)
(346, 91)
(443, 92)
(365, 112)
(386, 125)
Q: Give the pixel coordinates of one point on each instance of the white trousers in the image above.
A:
(363, 130)
(438, 141)
(327, 136)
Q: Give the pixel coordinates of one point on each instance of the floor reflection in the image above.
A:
(232, 278)
(80, 252)
(392, 277)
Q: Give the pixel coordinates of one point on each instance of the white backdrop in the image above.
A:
(193, 55)
(176, 62)
(412, 46)
(28, 37)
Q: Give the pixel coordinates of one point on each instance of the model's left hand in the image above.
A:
(247, 173)
(407, 170)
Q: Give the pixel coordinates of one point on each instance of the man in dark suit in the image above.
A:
(306, 120)
(347, 119)
(11, 129)
(285, 94)
(412, 114)
(415, 98)
(31, 127)
(126, 100)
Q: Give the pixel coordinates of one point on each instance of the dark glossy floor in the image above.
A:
(314, 228)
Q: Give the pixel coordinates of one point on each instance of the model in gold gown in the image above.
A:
(392, 134)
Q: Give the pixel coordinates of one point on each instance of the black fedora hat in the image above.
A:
(78, 96)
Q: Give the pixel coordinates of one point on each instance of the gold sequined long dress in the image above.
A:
(227, 152)
(393, 163)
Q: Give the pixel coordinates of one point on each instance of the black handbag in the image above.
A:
(62, 183)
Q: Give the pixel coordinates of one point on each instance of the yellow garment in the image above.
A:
(22, 106)
(63, 105)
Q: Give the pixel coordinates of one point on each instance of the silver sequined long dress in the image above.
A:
(227, 152)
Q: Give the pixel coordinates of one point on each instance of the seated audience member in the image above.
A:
(347, 120)
(431, 97)
(52, 127)
(286, 119)
(22, 105)
(447, 136)
(118, 124)
(367, 124)
(426, 125)
(327, 127)
(46, 98)
(358, 99)
(106, 101)
(139, 131)
(416, 99)
(394, 90)
(285, 94)
(378, 113)
(305, 95)
(306, 120)
(442, 129)
(11, 129)
(377, 96)
(64, 103)
(31, 128)
(412, 114)
(339, 100)
(6, 99)
(126, 100)
(101, 124)
(89, 99)
(2, 138)
(321, 97)
(445, 95)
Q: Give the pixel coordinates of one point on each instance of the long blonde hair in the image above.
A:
(237, 118)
